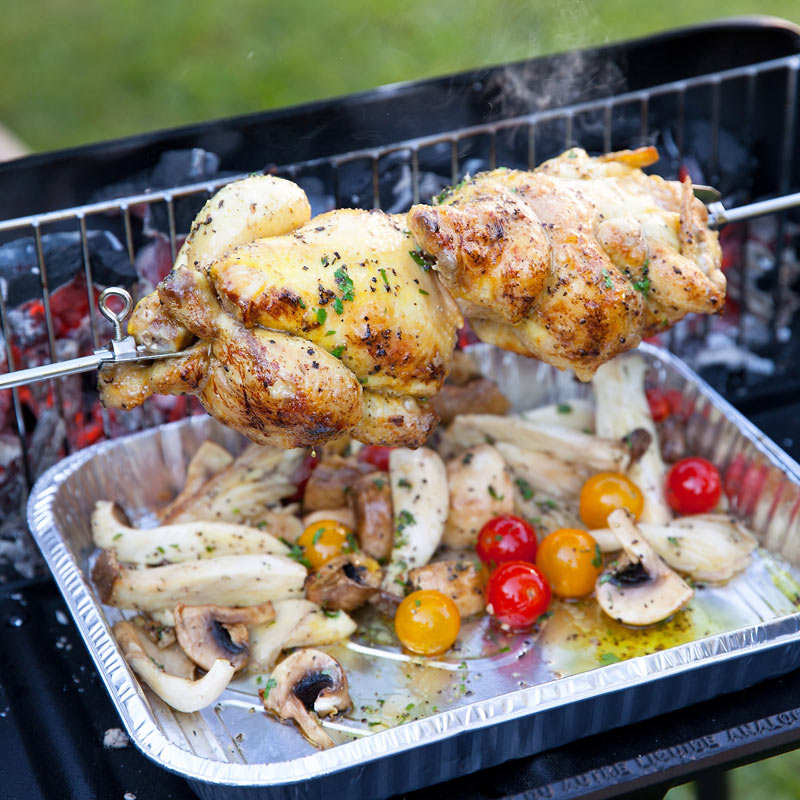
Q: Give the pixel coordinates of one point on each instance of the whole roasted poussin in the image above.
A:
(577, 261)
(335, 325)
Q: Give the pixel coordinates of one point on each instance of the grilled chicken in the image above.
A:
(576, 261)
(335, 326)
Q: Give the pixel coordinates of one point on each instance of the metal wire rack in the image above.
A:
(737, 127)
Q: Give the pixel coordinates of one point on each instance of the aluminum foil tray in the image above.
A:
(495, 700)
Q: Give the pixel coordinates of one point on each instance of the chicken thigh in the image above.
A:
(576, 261)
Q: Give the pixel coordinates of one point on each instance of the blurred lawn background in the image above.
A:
(79, 72)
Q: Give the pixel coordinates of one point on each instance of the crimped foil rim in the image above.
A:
(144, 732)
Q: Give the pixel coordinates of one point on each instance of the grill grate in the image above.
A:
(735, 129)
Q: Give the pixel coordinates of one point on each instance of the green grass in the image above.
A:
(775, 779)
(77, 72)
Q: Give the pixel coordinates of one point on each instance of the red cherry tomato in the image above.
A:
(517, 594)
(663, 403)
(506, 538)
(693, 486)
(377, 455)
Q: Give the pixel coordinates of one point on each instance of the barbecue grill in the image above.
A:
(720, 102)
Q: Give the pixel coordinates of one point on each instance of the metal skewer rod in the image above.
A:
(719, 215)
(124, 348)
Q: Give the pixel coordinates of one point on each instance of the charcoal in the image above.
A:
(63, 259)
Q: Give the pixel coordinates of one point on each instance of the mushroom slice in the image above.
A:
(477, 396)
(464, 582)
(209, 460)
(371, 501)
(641, 589)
(331, 482)
(420, 500)
(209, 632)
(244, 491)
(594, 453)
(307, 685)
(227, 580)
(709, 547)
(179, 693)
(184, 541)
(480, 488)
(345, 582)
(622, 406)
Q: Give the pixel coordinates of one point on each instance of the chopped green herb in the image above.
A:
(572, 154)
(447, 191)
(352, 543)
(526, 490)
(298, 554)
(404, 519)
(607, 282)
(547, 504)
(493, 493)
(268, 686)
(597, 561)
(317, 534)
(345, 283)
(262, 524)
(236, 511)
(422, 291)
(673, 540)
(175, 546)
(379, 483)
(498, 537)
(383, 275)
(406, 484)
(409, 706)
(260, 680)
(608, 658)
(374, 723)
(643, 285)
(324, 261)
(301, 303)
(467, 458)
(116, 536)
(330, 333)
(322, 315)
(330, 614)
(418, 603)
(503, 649)
(210, 548)
(338, 350)
(160, 549)
(424, 260)
(605, 578)
(337, 304)
(564, 408)
(543, 617)
(462, 665)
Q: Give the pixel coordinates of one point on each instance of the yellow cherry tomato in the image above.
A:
(571, 560)
(321, 541)
(605, 492)
(427, 622)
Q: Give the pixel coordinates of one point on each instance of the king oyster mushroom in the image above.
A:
(344, 583)
(209, 632)
(180, 693)
(307, 685)
(640, 589)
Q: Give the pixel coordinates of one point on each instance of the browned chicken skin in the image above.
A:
(576, 261)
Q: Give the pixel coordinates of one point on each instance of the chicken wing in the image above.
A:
(576, 261)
